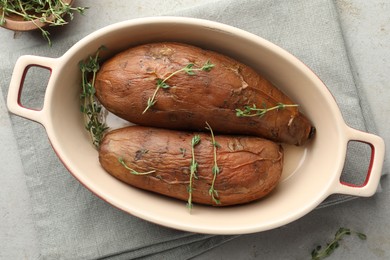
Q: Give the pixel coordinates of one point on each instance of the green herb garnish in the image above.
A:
(193, 169)
(212, 191)
(250, 111)
(51, 12)
(93, 111)
(319, 253)
(183, 151)
(132, 171)
(161, 83)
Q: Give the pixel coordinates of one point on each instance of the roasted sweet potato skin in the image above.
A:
(126, 81)
(250, 167)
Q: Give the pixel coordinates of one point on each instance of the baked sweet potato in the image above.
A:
(160, 160)
(151, 85)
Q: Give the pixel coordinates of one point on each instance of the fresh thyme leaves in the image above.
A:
(212, 191)
(46, 11)
(91, 108)
(140, 153)
(162, 83)
(183, 151)
(250, 111)
(132, 171)
(318, 254)
(193, 169)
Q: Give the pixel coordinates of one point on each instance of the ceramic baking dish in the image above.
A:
(311, 173)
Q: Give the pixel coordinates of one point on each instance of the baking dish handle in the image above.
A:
(374, 172)
(16, 85)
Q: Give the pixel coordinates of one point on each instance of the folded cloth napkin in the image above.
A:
(72, 223)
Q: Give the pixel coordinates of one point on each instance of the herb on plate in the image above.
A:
(251, 111)
(193, 169)
(90, 107)
(49, 12)
(212, 191)
(162, 83)
(132, 171)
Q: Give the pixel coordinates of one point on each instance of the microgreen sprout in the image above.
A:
(212, 191)
(193, 169)
(90, 107)
(251, 111)
(189, 69)
(132, 171)
(319, 253)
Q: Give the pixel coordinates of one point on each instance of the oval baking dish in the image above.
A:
(311, 173)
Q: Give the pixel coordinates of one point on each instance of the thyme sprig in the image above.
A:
(251, 111)
(132, 171)
(90, 107)
(183, 151)
(215, 169)
(193, 169)
(51, 12)
(190, 69)
(318, 254)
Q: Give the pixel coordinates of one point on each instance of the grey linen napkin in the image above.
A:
(74, 224)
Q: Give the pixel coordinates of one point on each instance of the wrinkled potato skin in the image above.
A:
(126, 81)
(250, 167)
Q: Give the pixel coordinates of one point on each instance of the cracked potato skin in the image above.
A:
(126, 81)
(250, 167)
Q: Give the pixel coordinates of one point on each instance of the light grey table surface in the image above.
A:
(366, 27)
